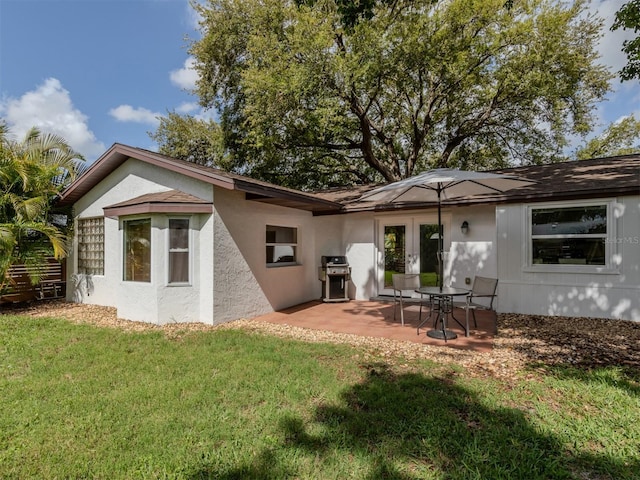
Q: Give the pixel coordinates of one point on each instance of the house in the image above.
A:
(164, 240)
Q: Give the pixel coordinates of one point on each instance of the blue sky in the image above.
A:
(101, 71)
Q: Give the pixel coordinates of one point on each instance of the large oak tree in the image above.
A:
(320, 92)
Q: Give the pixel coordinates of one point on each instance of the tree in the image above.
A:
(628, 18)
(620, 138)
(189, 138)
(324, 94)
(32, 173)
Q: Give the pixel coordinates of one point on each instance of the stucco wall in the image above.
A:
(474, 253)
(244, 286)
(155, 301)
(230, 277)
(571, 290)
(358, 234)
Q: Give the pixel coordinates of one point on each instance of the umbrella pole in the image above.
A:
(440, 246)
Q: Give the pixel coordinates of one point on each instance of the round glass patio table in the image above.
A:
(443, 297)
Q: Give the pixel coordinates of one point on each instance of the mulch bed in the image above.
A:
(523, 341)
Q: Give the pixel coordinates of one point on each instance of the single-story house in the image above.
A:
(164, 240)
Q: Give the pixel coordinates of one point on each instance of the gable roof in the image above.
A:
(254, 189)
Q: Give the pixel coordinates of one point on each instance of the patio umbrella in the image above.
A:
(443, 184)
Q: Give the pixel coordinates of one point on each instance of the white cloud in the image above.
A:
(194, 109)
(187, 107)
(622, 101)
(186, 76)
(127, 113)
(208, 114)
(50, 109)
(610, 46)
(194, 18)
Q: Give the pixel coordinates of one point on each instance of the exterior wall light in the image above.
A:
(464, 228)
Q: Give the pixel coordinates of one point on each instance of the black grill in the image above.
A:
(334, 273)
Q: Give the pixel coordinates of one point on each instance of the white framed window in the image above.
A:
(570, 236)
(91, 246)
(281, 245)
(137, 250)
(179, 251)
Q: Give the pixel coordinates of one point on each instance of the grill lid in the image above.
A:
(334, 260)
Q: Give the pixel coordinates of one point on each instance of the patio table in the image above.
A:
(443, 297)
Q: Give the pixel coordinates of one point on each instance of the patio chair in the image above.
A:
(404, 282)
(481, 297)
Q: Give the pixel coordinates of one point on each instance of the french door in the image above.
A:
(408, 245)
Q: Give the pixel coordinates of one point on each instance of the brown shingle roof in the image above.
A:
(171, 201)
(612, 176)
(599, 177)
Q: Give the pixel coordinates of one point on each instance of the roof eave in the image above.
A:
(117, 155)
(153, 207)
(493, 200)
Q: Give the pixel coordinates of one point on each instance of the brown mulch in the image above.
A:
(522, 340)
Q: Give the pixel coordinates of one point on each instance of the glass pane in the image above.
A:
(394, 252)
(281, 244)
(178, 267)
(137, 260)
(429, 255)
(284, 253)
(576, 251)
(569, 221)
(281, 234)
(179, 233)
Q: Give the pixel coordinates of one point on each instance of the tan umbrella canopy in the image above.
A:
(444, 184)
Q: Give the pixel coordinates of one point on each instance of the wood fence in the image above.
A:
(52, 283)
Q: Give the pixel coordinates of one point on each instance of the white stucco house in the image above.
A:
(165, 240)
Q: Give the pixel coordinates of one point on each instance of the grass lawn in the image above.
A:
(77, 401)
(427, 279)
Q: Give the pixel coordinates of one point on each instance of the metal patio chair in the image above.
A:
(481, 297)
(404, 282)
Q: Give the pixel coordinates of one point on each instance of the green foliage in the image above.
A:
(352, 12)
(620, 138)
(324, 92)
(628, 18)
(84, 402)
(189, 138)
(32, 172)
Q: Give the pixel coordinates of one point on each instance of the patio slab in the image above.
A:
(375, 319)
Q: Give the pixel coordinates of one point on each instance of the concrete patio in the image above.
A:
(375, 319)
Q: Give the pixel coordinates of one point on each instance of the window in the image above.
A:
(91, 246)
(137, 250)
(282, 245)
(178, 250)
(575, 235)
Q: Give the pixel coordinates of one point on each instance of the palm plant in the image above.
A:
(32, 172)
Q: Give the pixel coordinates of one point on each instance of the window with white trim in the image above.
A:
(571, 235)
(282, 245)
(137, 250)
(179, 250)
(91, 246)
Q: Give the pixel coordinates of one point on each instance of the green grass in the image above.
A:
(427, 279)
(83, 402)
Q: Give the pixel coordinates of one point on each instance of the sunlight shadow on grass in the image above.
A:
(407, 426)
